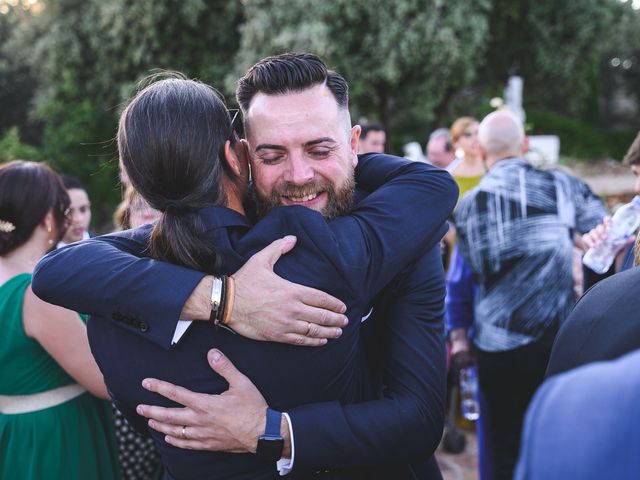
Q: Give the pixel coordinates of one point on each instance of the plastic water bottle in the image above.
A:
(623, 224)
(469, 393)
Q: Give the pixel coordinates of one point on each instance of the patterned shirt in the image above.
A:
(515, 231)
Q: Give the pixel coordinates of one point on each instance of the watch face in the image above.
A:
(270, 448)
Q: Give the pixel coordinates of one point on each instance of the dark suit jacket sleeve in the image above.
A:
(602, 326)
(107, 276)
(406, 423)
(399, 221)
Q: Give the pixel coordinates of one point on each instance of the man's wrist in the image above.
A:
(198, 305)
(285, 432)
(271, 443)
(458, 334)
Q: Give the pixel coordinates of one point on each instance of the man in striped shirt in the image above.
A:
(515, 231)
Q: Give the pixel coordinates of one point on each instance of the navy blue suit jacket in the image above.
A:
(602, 326)
(352, 257)
(583, 424)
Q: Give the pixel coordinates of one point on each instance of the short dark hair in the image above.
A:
(28, 190)
(70, 183)
(370, 127)
(171, 140)
(289, 72)
(633, 154)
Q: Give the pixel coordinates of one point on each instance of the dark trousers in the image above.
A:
(508, 381)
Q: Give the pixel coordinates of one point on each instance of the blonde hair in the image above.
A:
(122, 215)
(459, 126)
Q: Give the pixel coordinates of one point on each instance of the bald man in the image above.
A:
(515, 232)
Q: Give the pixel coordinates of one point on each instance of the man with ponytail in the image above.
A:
(349, 411)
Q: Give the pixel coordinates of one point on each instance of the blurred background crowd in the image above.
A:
(413, 66)
(423, 74)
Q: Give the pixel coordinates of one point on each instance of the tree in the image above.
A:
(88, 56)
(11, 148)
(402, 59)
(620, 69)
(553, 45)
(17, 84)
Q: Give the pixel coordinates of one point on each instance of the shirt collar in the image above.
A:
(220, 217)
(505, 162)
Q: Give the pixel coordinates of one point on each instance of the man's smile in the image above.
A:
(307, 200)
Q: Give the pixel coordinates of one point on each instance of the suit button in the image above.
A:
(144, 326)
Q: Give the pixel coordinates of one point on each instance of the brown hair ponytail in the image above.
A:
(171, 140)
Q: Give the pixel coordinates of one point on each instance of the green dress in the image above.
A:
(467, 183)
(73, 440)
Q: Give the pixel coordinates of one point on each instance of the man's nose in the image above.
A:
(299, 170)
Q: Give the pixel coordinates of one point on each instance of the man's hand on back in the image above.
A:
(269, 308)
(229, 422)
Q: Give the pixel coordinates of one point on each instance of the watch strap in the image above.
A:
(271, 443)
(272, 427)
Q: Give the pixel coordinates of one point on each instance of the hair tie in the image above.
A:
(176, 208)
(6, 226)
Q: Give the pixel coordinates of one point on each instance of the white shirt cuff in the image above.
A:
(181, 327)
(285, 465)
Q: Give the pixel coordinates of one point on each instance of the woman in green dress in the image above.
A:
(52, 426)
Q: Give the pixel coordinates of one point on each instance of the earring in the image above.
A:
(50, 241)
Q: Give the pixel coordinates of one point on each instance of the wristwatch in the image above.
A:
(270, 444)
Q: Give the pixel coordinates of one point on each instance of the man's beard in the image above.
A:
(339, 201)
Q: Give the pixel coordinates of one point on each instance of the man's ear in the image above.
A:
(355, 138)
(242, 150)
(236, 157)
(231, 157)
(525, 144)
(483, 153)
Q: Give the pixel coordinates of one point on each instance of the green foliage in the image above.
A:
(553, 45)
(412, 64)
(89, 55)
(77, 140)
(11, 148)
(17, 83)
(396, 56)
(579, 139)
(195, 37)
(620, 66)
